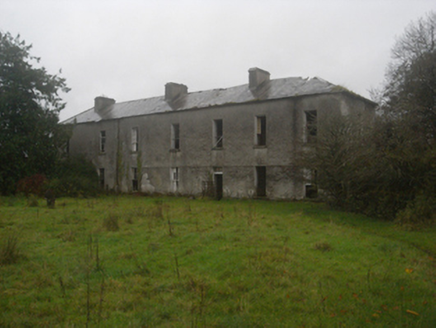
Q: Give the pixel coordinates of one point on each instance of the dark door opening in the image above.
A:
(218, 186)
(260, 181)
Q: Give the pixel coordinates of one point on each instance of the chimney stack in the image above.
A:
(174, 90)
(256, 77)
(101, 103)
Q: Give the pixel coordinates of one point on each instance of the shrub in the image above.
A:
(418, 212)
(32, 185)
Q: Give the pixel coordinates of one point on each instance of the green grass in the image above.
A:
(176, 262)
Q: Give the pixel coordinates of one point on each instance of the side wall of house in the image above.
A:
(192, 167)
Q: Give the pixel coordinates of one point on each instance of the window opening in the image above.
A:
(218, 182)
(175, 179)
(175, 136)
(101, 178)
(102, 141)
(311, 125)
(311, 187)
(134, 179)
(260, 130)
(134, 139)
(218, 133)
(260, 181)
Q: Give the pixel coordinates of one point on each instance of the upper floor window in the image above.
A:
(218, 134)
(260, 130)
(311, 125)
(175, 136)
(134, 138)
(102, 141)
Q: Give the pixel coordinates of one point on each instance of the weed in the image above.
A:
(141, 267)
(157, 210)
(9, 251)
(129, 219)
(62, 286)
(68, 235)
(32, 201)
(110, 222)
(170, 227)
(323, 247)
(11, 201)
(72, 217)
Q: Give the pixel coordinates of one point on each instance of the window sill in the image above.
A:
(260, 147)
(173, 150)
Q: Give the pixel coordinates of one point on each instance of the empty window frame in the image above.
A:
(218, 182)
(218, 134)
(134, 138)
(311, 125)
(175, 136)
(102, 141)
(101, 178)
(260, 130)
(260, 181)
(134, 179)
(174, 174)
(311, 187)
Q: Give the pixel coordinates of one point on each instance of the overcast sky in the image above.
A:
(129, 49)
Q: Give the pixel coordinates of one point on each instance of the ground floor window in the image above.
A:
(174, 179)
(311, 191)
(260, 181)
(101, 178)
(134, 179)
(218, 183)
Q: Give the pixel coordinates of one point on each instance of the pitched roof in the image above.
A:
(273, 89)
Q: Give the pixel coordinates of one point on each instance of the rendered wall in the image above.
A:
(196, 159)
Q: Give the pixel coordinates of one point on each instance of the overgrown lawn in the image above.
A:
(176, 262)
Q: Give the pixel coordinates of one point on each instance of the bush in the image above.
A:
(419, 212)
(75, 176)
(32, 185)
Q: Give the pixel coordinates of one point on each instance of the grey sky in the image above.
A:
(129, 49)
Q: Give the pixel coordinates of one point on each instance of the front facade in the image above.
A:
(239, 142)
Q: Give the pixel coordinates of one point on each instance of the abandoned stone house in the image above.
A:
(235, 142)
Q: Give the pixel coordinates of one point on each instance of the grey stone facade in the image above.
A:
(239, 142)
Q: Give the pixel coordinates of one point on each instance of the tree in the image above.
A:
(30, 137)
(410, 87)
(388, 168)
(409, 110)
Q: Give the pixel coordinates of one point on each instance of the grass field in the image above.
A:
(133, 261)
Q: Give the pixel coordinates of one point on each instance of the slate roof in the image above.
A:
(272, 89)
